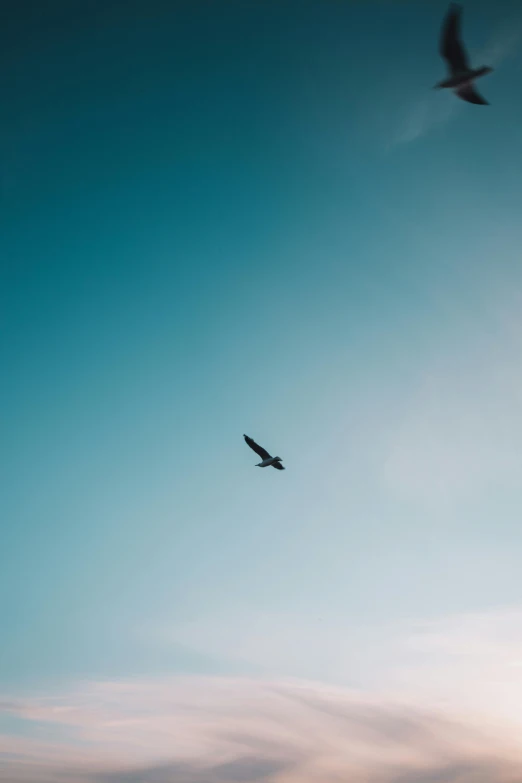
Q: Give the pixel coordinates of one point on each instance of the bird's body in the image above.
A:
(267, 462)
(463, 79)
(267, 459)
(461, 76)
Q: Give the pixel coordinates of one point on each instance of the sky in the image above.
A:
(233, 217)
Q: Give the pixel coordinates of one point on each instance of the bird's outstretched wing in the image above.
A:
(469, 94)
(278, 465)
(451, 47)
(263, 453)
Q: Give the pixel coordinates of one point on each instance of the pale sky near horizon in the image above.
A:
(256, 217)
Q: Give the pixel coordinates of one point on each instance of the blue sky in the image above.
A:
(234, 217)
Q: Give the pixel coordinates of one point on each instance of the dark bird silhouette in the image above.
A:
(267, 460)
(461, 76)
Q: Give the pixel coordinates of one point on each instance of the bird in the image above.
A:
(267, 460)
(461, 76)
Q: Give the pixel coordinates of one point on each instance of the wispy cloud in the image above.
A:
(447, 710)
(504, 42)
(470, 662)
(433, 110)
(208, 730)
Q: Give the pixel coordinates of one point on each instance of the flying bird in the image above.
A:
(461, 76)
(265, 456)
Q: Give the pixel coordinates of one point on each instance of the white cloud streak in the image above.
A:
(433, 110)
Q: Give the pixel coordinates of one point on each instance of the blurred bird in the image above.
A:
(452, 50)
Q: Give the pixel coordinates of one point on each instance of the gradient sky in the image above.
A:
(254, 217)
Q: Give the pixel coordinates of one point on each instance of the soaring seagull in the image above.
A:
(461, 76)
(265, 456)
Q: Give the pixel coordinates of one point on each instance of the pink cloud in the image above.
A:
(225, 730)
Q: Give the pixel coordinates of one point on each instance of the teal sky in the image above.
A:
(253, 217)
